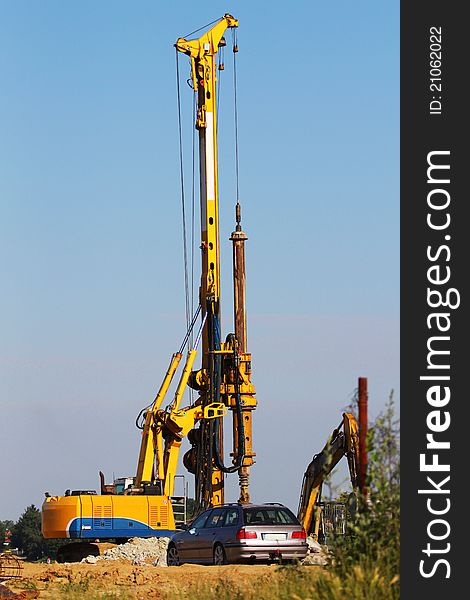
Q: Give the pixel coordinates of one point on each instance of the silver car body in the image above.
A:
(254, 532)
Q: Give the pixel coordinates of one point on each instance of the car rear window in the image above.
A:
(272, 515)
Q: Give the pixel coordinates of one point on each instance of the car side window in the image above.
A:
(214, 517)
(231, 517)
(200, 521)
(221, 521)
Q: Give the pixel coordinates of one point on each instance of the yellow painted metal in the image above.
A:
(198, 48)
(337, 446)
(217, 493)
(159, 455)
(179, 423)
(175, 425)
(316, 529)
(309, 513)
(171, 465)
(214, 410)
(164, 430)
(351, 432)
(73, 516)
(202, 54)
(145, 466)
(184, 379)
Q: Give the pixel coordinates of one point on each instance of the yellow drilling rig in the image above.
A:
(141, 506)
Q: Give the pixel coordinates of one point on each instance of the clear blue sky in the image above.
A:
(92, 301)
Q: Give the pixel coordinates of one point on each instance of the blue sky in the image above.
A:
(90, 246)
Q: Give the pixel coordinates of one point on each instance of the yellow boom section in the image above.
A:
(145, 467)
(204, 76)
(202, 54)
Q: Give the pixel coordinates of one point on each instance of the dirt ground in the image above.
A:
(121, 579)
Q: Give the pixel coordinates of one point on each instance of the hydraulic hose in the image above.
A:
(238, 406)
(241, 441)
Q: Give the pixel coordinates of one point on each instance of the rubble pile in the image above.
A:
(141, 551)
(317, 554)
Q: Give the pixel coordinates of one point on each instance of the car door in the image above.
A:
(226, 532)
(188, 542)
(208, 534)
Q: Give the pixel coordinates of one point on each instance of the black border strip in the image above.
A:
(434, 120)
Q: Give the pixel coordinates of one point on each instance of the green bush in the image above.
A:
(367, 559)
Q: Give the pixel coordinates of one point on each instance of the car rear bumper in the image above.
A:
(262, 553)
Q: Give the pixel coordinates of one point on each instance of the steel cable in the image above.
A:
(183, 203)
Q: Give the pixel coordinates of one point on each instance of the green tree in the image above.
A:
(366, 561)
(190, 508)
(376, 533)
(27, 536)
(27, 533)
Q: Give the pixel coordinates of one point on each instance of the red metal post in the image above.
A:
(363, 401)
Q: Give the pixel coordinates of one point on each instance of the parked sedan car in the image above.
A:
(238, 533)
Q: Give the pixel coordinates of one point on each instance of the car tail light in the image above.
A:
(246, 535)
(296, 535)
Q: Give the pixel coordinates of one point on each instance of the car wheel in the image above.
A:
(172, 557)
(219, 555)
